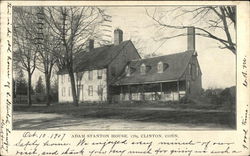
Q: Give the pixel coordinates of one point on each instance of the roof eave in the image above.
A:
(149, 82)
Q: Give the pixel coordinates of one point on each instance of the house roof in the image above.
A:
(174, 69)
(97, 58)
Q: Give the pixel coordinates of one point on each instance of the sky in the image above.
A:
(218, 66)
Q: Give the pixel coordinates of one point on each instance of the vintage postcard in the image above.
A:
(125, 78)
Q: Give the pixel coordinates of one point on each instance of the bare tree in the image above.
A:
(47, 45)
(79, 76)
(139, 44)
(73, 26)
(100, 91)
(25, 52)
(210, 18)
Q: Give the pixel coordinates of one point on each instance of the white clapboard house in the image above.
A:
(117, 72)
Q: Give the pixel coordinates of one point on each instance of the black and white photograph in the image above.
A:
(125, 67)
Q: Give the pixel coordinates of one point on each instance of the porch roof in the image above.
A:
(176, 65)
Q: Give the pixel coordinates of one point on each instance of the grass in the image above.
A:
(125, 111)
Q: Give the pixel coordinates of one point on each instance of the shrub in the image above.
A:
(184, 100)
(38, 98)
(227, 97)
(219, 96)
(54, 96)
(215, 99)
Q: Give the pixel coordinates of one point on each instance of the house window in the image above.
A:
(62, 79)
(63, 91)
(189, 69)
(188, 87)
(90, 75)
(160, 67)
(127, 70)
(69, 91)
(143, 69)
(193, 71)
(197, 71)
(90, 91)
(99, 74)
(100, 90)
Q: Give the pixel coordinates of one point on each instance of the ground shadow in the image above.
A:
(227, 119)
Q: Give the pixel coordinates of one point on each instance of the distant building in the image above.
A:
(116, 73)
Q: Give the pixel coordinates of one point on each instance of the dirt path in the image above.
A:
(53, 121)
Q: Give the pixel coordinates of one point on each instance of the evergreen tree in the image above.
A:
(39, 86)
(21, 84)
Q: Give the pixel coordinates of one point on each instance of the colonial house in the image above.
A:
(117, 72)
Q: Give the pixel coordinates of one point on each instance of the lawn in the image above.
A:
(142, 113)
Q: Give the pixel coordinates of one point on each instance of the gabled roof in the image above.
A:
(97, 58)
(175, 67)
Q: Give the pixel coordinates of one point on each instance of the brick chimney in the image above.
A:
(190, 38)
(90, 44)
(118, 36)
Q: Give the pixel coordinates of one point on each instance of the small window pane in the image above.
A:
(127, 71)
(143, 69)
(99, 74)
(90, 91)
(193, 71)
(160, 67)
(188, 86)
(90, 75)
(63, 91)
(62, 77)
(100, 90)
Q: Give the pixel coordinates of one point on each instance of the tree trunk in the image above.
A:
(73, 87)
(47, 79)
(29, 90)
